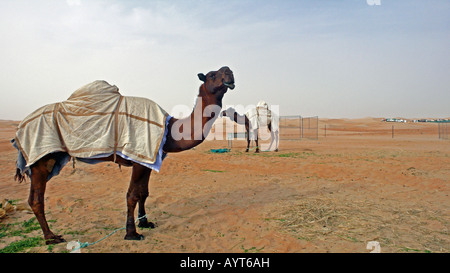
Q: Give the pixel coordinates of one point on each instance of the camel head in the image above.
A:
(218, 82)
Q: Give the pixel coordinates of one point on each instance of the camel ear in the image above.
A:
(201, 77)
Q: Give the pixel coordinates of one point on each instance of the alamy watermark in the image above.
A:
(191, 124)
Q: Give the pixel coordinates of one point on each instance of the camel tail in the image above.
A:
(19, 176)
(20, 164)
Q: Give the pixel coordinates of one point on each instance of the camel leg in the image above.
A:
(256, 141)
(143, 222)
(272, 135)
(248, 141)
(269, 126)
(247, 125)
(137, 193)
(276, 141)
(271, 140)
(39, 174)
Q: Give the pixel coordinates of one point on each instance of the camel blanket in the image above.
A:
(95, 120)
(262, 116)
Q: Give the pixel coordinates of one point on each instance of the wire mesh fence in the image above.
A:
(443, 130)
(373, 127)
(298, 127)
(290, 128)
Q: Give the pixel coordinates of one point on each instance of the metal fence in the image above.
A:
(443, 130)
(298, 127)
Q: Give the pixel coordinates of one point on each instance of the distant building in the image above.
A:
(394, 120)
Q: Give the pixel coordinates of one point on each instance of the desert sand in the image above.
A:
(336, 193)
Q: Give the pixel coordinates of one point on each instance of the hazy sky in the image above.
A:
(336, 59)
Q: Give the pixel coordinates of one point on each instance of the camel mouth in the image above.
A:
(229, 85)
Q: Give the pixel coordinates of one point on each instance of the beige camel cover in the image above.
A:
(259, 116)
(94, 120)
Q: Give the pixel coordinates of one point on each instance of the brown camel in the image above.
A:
(243, 120)
(215, 85)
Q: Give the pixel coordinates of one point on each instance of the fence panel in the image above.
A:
(298, 127)
(443, 130)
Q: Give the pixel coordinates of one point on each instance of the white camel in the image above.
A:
(256, 118)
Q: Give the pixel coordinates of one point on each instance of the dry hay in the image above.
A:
(360, 221)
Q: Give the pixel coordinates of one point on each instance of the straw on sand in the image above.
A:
(359, 221)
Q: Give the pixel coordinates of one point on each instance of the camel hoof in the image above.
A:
(135, 237)
(55, 239)
(146, 225)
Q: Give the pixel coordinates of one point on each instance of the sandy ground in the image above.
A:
(332, 194)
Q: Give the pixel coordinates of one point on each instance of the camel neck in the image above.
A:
(209, 99)
(190, 131)
(206, 110)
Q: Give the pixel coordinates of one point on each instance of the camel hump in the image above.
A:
(263, 111)
(99, 87)
(262, 104)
